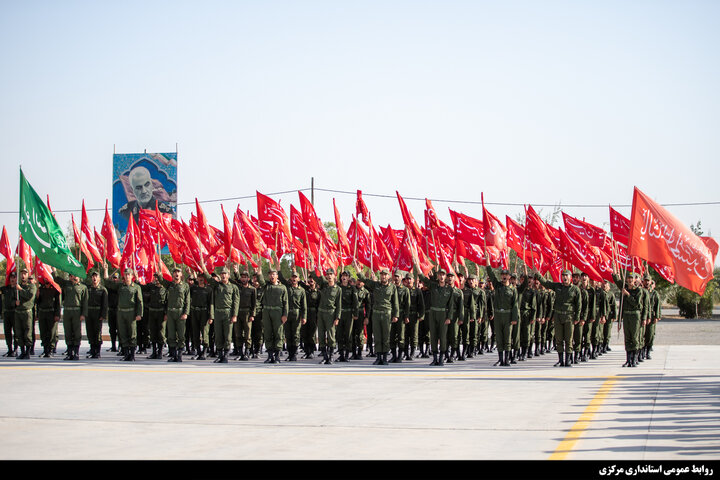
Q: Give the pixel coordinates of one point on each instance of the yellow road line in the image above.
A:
(572, 437)
(301, 373)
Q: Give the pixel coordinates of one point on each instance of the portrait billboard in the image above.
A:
(139, 179)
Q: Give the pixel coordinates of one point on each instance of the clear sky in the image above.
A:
(541, 102)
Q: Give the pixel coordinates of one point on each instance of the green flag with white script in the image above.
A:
(41, 231)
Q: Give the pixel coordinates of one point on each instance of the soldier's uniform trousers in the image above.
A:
(344, 330)
(577, 337)
(326, 328)
(112, 325)
(650, 334)
(464, 333)
(381, 330)
(48, 327)
(438, 330)
(453, 330)
(607, 330)
(127, 328)
(515, 335)
(241, 329)
(631, 327)
(586, 333)
(423, 330)
(540, 332)
(256, 331)
(200, 327)
(502, 322)
(143, 334)
(156, 324)
(23, 327)
(71, 326)
(273, 328)
(596, 333)
(411, 331)
(641, 335)
(93, 326)
(292, 328)
(9, 327)
(482, 331)
(526, 327)
(397, 334)
(563, 328)
(223, 329)
(175, 328)
(358, 333)
(309, 333)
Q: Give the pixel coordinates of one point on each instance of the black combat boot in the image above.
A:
(440, 359)
(560, 362)
(528, 350)
(201, 352)
(511, 355)
(330, 351)
(97, 352)
(154, 354)
(435, 359)
(647, 353)
(461, 355)
(131, 355)
(633, 358)
(393, 357)
(270, 357)
(628, 361)
(398, 357)
(639, 356)
(411, 355)
(372, 350)
(172, 354)
(568, 356)
(180, 354)
(576, 357)
(508, 359)
(384, 359)
(500, 361)
(46, 352)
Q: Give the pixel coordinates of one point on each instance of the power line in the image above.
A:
(378, 195)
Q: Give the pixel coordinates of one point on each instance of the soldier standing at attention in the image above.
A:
(633, 309)
(506, 312)
(442, 310)
(297, 314)
(47, 309)
(75, 309)
(226, 297)
(9, 295)
(25, 292)
(246, 314)
(453, 342)
(329, 311)
(528, 313)
(644, 285)
(130, 308)
(490, 291)
(386, 309)
(309, 330)
(654, 316)
(364, 306)
(468, 318)
(155, 304)
(423, 330)
(275, 312)
(348, 315)
(256, 331)
(417, 313)
(591, 310)
(201, 311)
(540, 325)
(596, 329)
(397, 329)
(610, 316)
(112, 312)
(566, 313)
(178, 308)
(484, 312)
(549, 309)
(97, 312)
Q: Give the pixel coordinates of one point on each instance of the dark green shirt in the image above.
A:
(97, 301)
(567, 302)
(226, 296)
(129, 297)
(385, 297)
(505, 297)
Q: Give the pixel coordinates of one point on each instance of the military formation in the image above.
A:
(391, 316)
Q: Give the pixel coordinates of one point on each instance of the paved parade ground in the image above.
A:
(668, 408)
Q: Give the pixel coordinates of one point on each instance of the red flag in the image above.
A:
(619, 227)
(658, 236)
(45, 272)
(299, 254)
(203, 229)
(495, 232)
(270, 211)
(100, 242)
(361, 209)
(312, 222)
(343, 242)
(593, 235)
(363, 242)
(127, 260)
(408, 219)
(81, 244)
(252, 235)
(6, 251)
(536, 229)
(467, 228)
(297, 225)
(593, 255)
(573, 255)
(664, 271)
(89, 238)
(230, 251)
(112, 250)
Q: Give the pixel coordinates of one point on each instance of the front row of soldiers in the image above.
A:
(571, 316)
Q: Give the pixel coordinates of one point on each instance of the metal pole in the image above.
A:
(312, 190)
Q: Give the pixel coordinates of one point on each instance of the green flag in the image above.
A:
(41, 231)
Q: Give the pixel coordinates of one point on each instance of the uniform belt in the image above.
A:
(198, 308)
(153, 309)
(126, 309)
(382, 310)
(173, 309)
(347, 309)
(564, 312)
(222, 309)
(294, 310)
(437, 309)
(326, 310)
(503, 310)
(25, 309)
(244, 309)
(631, 311)
(272, 308)
(72, 309)
(46, 309)
(93, 307)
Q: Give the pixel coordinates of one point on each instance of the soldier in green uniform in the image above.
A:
(202, 309)
(274, 316)
(177, 298)
(578, 328)
(567, 307)
(24, 304)
(549, 311)
(155, 307)
(364, 306)
(97, 312)
(528, 314)
(441, 311)
(347, 317)
(633, 309)
(297, 314)
(644, 285)
(484, 312)
(540, 324)
(453, 334)
(130, 309)
(143, 332)
(246, 314)
(610, 316)
(47, 308)
(9, 295)
(226, 298)
(112, 312)
(653, 317)
(591, 310)
(416, 315)
(75, 310)
(308, 332)
(386, 311)
(596, 329)
(423, 329)
(468, 318)
(490, 291)
(256, 330)
(506, 312)
(329, 311)
(397, 329)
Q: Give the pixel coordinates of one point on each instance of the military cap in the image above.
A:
(583, 274)
(384, 270)
(345, 272)
(409, 276)
(294, 274)
(116, 275)
(442, 270)
(24, 270)
(329, 271)
(272, 270)
(177, 269)
(460, 274)
(94, 272)
(245, 273)
(13, 274)
(450, 274)
(513, 275)
(472, 276)
(566, 272)
(647, 277)
(129, 270)
(505, 271)
(398, 273)
(224, 270)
